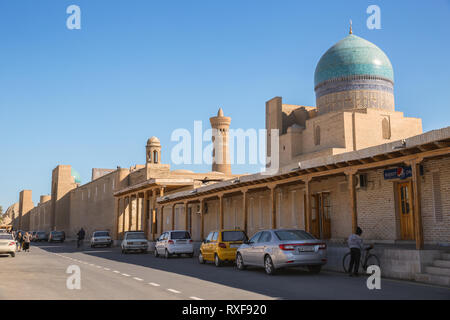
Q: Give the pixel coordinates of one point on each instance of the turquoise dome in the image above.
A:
(353, 56)
(76, 176)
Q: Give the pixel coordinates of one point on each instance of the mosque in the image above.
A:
(352, 160)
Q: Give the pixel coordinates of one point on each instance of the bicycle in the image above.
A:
(367, 259)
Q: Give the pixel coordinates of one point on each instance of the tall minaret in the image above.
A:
(221, 154)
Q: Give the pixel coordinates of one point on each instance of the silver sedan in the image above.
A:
(281, 248)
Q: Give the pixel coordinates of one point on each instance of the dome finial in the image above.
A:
(220, 112)
(351, 31)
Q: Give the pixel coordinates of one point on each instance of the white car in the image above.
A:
(7, 244)
(101, 238)
(134, 241)
(174, 242)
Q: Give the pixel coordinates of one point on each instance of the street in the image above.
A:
(108, 274)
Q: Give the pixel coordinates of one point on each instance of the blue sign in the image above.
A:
(398, 173)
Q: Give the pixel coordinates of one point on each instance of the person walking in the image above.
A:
(17, 238)
(26, 242)
(21, 234)
(355, 243)
(81, 234)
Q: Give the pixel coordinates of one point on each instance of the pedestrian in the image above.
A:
(20, 241)
(26, 242)
(355, 243)
(81, 234)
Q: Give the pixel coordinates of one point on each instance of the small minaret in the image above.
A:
(221, 154)
(153, 150)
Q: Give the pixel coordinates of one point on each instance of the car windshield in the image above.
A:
(233, 236)
(137, 235)
(101, 234)
(180, 235)
(5, 236)
(285, 235)
(57, 233)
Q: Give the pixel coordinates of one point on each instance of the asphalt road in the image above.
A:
(108, 274)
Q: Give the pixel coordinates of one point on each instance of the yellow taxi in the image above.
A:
(221, 245)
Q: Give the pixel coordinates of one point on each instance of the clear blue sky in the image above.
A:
(92, 97)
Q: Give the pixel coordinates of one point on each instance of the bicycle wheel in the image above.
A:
(371, 261)
(346, 262)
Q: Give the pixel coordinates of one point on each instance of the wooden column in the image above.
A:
(173, 216)
(416, 180)
(154, 222)
(353, 204)
(308, 214)
(127, 214)
(273, 206)
(122, 210)
(145, 214)
(186, 218)
(118, 225)
(138, 213)
(221, 211)
(162, 219)
(202, 221)
(245, 210)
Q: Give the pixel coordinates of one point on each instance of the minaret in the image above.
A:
(221, 154)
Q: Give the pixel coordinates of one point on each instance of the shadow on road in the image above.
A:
(292, 283)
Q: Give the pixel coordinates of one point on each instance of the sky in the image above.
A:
(92, 97)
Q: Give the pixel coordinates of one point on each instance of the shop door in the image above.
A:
(406, 211)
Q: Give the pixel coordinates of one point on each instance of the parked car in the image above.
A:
(56, 236)
(134, 241)
(280, 248)
(41, 236)
(174, 242)
(7, 244)
(221, 245)
(33, 235)
(101, 238)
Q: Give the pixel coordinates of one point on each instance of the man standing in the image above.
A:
(355, 243)
(80, 235)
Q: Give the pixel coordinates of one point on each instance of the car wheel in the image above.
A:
(314, 269)
(240, 262)
(13, 254)
(124, 251)
(200, 258)
(268, 265)
(156, 253)
(190, 255)
(166, 254)
(217, 261)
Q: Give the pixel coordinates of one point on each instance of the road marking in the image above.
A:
(91, 264)
(174, 291)
(195, 298)
(107, 269)
(99, 267)
(153, 284)
(138, 279)
(125, 275)
(115, 271)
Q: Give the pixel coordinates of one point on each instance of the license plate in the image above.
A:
(305, 249)
(235, 245)
(181, 241)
